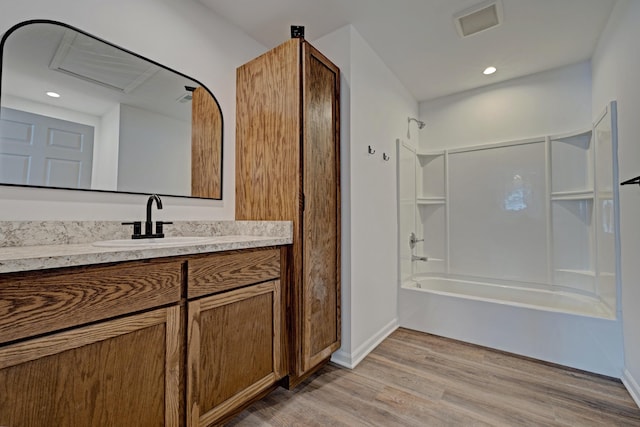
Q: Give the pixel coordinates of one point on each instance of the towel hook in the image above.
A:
(371, 150)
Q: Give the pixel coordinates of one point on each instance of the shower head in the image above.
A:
(420, 123)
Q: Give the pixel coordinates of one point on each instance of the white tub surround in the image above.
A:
(35, 245)
(517, 245)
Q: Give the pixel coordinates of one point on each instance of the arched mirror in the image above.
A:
(78, 112)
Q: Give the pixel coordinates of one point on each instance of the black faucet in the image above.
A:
(148, 224)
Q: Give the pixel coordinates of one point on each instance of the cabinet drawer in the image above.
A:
(224, 271)
(38, 302)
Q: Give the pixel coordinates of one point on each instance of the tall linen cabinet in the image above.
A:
(288, 168)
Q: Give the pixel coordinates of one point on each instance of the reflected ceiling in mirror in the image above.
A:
(120, 123)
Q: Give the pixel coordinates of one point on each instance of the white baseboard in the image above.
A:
(632, 386)
(342, 358)
(351, 360)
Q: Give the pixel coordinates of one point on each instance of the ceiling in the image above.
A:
(417, 39)
(27, 74)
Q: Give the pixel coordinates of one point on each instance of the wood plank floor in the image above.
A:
(416, 379)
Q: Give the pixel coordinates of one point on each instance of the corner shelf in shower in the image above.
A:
(429, 201)
(571, 165)
(572, 210)
(572, 195)
(430, 178)
(430, 153)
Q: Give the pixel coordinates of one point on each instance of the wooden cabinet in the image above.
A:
(287, 168)
(184, 340)
(124, 371)
(235, 347)
(233, 351)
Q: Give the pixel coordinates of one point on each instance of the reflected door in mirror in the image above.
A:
(43, 151)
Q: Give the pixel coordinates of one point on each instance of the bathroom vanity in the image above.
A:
(97, 331)
(185, 338)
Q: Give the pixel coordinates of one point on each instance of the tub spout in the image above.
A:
(419, 258)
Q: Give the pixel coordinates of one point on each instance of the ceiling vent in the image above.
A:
(478, 18)
(94, 61)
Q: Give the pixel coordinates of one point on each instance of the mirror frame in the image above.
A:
(6, 35)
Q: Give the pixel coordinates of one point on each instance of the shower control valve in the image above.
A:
(413, 240)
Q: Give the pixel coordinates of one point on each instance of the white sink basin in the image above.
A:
(155, 243)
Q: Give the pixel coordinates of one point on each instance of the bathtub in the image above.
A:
(539, 299)
(559, 327)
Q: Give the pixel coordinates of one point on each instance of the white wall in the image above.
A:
(377, 116)
(550, 102)
(183, 35)
(616, 69)
(154, 152)
(104, 174)
(49, 110)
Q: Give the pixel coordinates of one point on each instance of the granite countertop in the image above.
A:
(42, 245)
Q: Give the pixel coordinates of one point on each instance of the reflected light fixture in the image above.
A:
(53, 94)
(489, 70)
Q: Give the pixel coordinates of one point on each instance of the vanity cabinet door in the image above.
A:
(234, 350)
(123, 372)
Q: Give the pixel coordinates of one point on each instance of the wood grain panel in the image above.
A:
(34, 303)
(234, 350)
(279, 106)
(111, 373)
(174, 367)
(225, 271)
(206, 145)
(321, 284)
(236, 342)
(268, 135)
(193, 364)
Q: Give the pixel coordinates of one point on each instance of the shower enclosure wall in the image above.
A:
(521, 245)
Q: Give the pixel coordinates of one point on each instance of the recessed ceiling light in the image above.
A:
(489, 70)
(53, 94)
